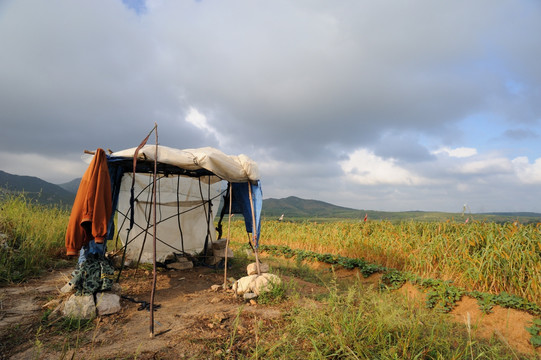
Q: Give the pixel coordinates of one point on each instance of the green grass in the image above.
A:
(361, 322)
(33, 239)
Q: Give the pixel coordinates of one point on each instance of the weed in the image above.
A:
(275, 295)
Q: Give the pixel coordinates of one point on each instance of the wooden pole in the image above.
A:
(254, 229)
(228, 233)
(154, 275)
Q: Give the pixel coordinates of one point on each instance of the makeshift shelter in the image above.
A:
(188, 188)
(163, 202)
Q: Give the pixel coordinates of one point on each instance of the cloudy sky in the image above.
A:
(380, 105)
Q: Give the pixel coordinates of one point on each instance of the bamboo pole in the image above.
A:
(154, 275)
(228, 233)
(254, 230)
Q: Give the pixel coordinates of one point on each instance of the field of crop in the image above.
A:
(487, 257)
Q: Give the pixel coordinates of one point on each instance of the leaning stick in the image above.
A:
(154, 275)
(228, 234)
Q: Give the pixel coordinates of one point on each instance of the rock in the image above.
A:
(249, 296)
(107, 303)
(219, 244)
(265, 282)
(251, 269)
(215, 287)
(80, 307)
(221, 253)
(257, 284)
(180, 265)
(243, 284)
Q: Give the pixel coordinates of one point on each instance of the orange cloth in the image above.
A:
(92, 206)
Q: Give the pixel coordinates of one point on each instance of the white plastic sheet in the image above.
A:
(193, 207)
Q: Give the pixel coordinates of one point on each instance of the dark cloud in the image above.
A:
(305, 83)
(520, 134)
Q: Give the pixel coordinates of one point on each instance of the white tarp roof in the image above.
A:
(233, 168)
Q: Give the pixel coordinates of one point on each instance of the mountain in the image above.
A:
(71, 186)
(293, 208)
(297, 209)
(36, 189)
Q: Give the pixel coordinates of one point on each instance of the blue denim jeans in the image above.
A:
(92, 248)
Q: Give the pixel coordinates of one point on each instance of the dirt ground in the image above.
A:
(190, 319)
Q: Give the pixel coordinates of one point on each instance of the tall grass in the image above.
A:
(362, 323)
(480, 256)
(33, 237)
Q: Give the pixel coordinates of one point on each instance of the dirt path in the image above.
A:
(190, 316)
(21, 307)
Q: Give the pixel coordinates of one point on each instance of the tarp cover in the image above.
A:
(192, 206)
(233, 168)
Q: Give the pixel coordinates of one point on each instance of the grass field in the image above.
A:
(480, 256)
(33, 238)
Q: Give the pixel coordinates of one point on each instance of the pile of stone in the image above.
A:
(90, 306)
(254, 285)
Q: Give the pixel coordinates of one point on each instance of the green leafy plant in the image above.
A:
(392, 280)
(535, 332)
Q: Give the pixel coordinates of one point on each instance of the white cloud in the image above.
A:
(200, 121)
(460, 152)
(526, 172)
(363, 167)
(486, 166)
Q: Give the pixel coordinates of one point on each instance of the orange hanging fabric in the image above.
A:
(92, 207)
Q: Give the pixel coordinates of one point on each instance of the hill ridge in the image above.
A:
(36, 189)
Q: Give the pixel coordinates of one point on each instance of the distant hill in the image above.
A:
(297, 209)
(36, 189)
(293, 208)
(71, 186)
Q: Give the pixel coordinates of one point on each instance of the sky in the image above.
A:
(377, 105)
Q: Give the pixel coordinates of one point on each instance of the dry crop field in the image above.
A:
(487, 257)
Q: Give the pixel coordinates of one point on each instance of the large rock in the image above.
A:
(257, 284)
(107, 303)
(244, 284)
(80, 307)
(251, 269)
